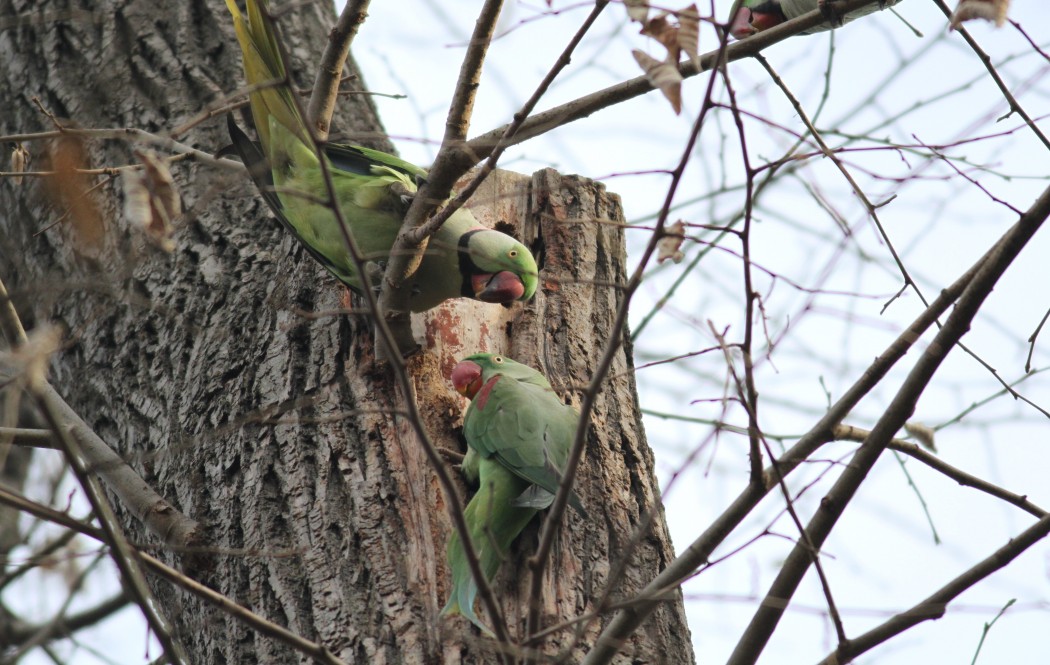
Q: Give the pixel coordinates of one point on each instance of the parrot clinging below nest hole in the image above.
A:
(519, 435)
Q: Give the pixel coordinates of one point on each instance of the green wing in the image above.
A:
(525, 427)
(494, 522)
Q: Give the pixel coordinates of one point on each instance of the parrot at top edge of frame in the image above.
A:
(372, 189)
(519, 434)
(758, 15)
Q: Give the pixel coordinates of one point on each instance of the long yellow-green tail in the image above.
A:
(494, 522)
(263, 65)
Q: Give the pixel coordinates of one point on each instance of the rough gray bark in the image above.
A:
(217, 373)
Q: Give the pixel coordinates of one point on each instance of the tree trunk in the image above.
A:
(224, 375)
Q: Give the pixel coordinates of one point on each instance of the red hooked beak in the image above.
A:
(466, 378)
(503, 287)
(741, 26)
(747, 22)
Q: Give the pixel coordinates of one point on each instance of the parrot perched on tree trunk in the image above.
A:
(519, 435)
(372, 189)
(758, 15)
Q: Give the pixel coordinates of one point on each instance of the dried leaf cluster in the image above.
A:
(28, 364)
(679, 35)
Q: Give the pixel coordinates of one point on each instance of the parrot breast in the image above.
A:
(482, 397)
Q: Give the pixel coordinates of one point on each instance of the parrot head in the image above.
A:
(758, 17)
(496, 267)
(473, 373)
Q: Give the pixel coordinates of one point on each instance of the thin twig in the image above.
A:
(767, 616)
(854, 433)
(750, 397)
(330, 70)
(935, 605)
(313, 649)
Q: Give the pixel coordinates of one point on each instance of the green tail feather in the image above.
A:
(494, 523)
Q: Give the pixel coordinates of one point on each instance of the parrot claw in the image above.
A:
(453, 457)
(374, 275)
(403, 193)
(833, 17)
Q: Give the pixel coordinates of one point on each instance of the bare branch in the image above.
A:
(450, 164)
(697, 553)
(317, 651)
(64, 626)
(330, 70)
(935, 605)
(853, 433)
(766, 618)
(480, 147)
(1015, 106)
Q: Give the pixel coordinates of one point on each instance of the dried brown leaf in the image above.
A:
(72, 190)
(662, 75)
(30, 360)
(151, 199)
(989, 10)
(669, 246)
(689, 33)
(662, 30)
(637, 10)
(20, 160)
(924, 434)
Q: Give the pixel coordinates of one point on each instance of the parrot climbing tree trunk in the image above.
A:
(229, 376)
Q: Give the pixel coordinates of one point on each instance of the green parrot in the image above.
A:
(758, 15)
(519, 435)
(373, 190)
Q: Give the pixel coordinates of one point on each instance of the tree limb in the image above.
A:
(935, 605)
(330, 70)
(767, 617)
(451, 163)
(694, 556)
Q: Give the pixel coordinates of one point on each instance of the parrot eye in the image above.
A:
(498, 360)
(512, 253)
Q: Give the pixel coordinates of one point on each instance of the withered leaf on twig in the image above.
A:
(29, 362)
(924, 434)
(989, 10)
(72, 190)
(689, 33)
(20, 160)
(663, 75)
(151, 200)
(663, 31)
(637, 10)
(685, 36)
(669, 246)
